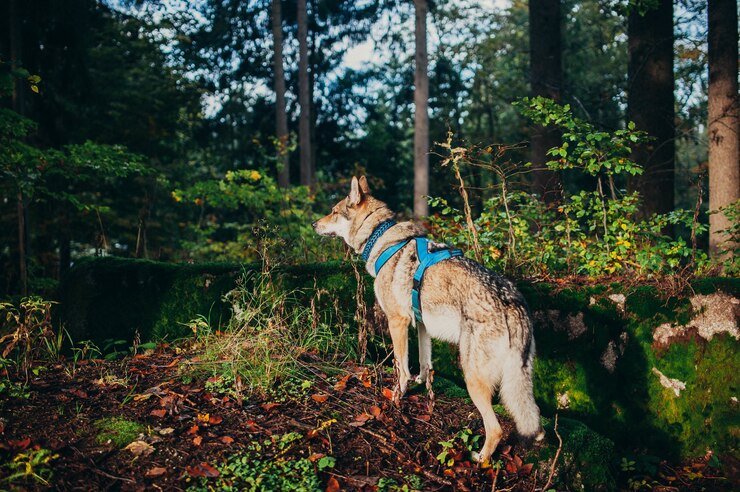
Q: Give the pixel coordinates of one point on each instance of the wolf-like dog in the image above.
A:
(462, 302)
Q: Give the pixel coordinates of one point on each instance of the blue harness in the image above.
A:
(426, 259)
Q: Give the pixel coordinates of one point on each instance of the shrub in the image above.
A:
(26, 333)
(589, 232)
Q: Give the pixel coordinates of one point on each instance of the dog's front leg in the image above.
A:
(426, 374)
(399, 328)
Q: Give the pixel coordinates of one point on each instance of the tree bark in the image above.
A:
(304, 97)
(724, 119)
(14, 19)
(650, 104)
(421, 112)
(546, 79)
(281, 115)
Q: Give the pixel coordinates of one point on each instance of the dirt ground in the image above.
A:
(189, 429)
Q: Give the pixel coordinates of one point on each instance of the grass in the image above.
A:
(118, 431)
(268, 333)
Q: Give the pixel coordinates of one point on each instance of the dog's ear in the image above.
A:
(355, 192)
(364, 186)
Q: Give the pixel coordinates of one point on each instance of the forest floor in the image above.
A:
(140, 423)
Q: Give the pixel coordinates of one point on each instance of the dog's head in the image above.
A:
(343, 214)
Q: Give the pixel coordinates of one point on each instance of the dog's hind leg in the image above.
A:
(481, 392)
(518, 398)
(399, 328)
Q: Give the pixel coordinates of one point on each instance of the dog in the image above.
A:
(460, 302)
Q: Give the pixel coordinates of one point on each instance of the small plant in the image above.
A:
(117, 431)
(30, 465)
(26, 331)
(463, 441)
(262, 467)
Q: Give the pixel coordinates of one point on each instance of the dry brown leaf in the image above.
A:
(157, 471)
(159, 413)
(197, 440)
(319, 398)
(332, 485)
(139, 448)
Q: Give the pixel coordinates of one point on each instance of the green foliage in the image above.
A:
(730, 246)
(464, 440)
(593, 233)
(32, 465)
(263, 467)
(246, 215)
(117, 431)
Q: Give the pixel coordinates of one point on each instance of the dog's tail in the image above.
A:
(518, 398)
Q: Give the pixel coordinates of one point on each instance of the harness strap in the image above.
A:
(426, 259)
(388, 254)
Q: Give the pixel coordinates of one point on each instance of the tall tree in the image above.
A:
(421, 112)
(304, 97)
(650, 103)
(281, 115)
(724, 117)
(14, 18)
(546, 79)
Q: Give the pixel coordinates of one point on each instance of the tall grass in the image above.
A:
(271, 330)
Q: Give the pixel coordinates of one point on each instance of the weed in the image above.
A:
(464, 440)
(26, 331)
(262, 467)
(117, 431)
(30, 465)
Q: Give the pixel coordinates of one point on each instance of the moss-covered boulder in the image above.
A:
(114, 298)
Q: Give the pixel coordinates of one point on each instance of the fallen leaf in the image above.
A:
(215, 420)
(227, 439)
(319, 398)
(202, 470)
(173, 363)
(139, 448)
(425, 417)
(197, 440)
(267, 407)
(204, 417)
(193, 429)
(525, 470)
(76, 392)
(342, 383)
(332, 485)
(157, 471)
(375, 411)
(159, 413)
(166, 431)
(19, 444)
(388, 393)
(316, 457)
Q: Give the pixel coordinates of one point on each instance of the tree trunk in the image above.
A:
(304, 97)
(421, 113)
(546, 78)
(650, 103)
(724, 118)
(281, 115)
(14, 19)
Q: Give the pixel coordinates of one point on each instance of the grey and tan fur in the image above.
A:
(462, 302)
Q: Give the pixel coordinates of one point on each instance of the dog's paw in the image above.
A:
(540, 435)
(419, 379)
(478, 458)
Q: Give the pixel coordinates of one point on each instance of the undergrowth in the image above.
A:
(269, 332)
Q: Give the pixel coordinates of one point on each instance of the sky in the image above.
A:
(360, 55)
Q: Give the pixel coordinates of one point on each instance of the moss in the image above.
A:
(117, 431)
(587, 458)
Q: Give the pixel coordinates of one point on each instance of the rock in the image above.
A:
(670, 383)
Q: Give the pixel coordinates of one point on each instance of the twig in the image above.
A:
(557, 455)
